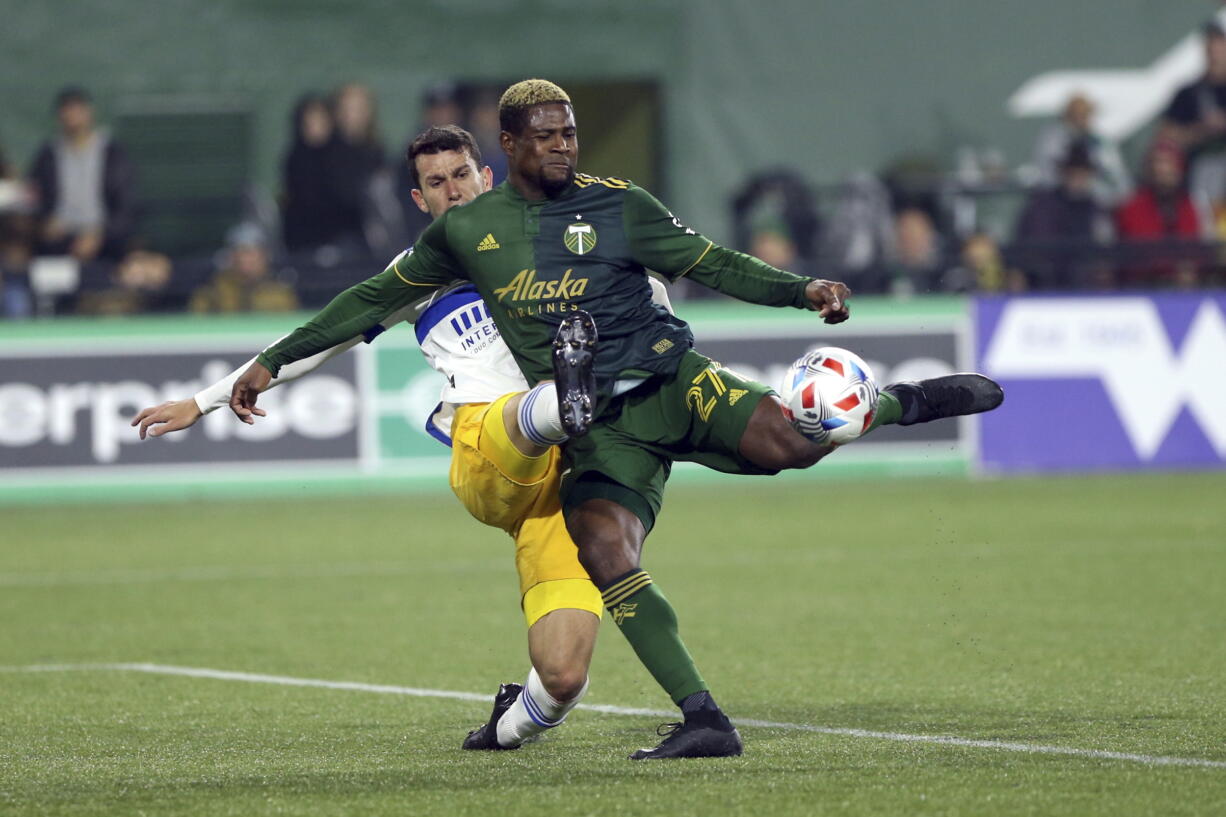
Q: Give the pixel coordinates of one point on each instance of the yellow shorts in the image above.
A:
(503, 488)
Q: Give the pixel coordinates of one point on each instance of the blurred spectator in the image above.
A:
(312, 214)
(15, 242)
(1160, 209)
(773, 245)
(83, 183)
(361, 153)
(1076, 126)
(1196, 120)
(859, 233)
(486, 129)
(917, 265)
(983, 269)
(138, 285)
(1063, 224)
(358, 156)
(331, 171)
(245, 283)
(777, 197)
(439, 106)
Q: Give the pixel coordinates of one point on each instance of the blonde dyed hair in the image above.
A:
(526, 94)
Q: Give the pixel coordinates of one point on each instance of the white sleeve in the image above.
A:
(659, 293)
(213, 397)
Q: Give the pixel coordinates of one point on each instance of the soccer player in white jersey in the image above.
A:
(505, 464)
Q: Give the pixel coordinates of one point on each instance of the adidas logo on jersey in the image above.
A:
(488, 243)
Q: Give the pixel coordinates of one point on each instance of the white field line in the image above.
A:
(387, 689)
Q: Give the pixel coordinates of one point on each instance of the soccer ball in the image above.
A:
(830, 396)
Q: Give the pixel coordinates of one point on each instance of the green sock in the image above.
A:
(889, 411)
(648, 622)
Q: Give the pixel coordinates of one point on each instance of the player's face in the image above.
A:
(448, 179)
(75, 117)
(545, 153)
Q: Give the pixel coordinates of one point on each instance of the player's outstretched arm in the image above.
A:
(413, 274)
(661, 242)
(176, 415)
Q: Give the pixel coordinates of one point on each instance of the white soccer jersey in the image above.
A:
(460, 341)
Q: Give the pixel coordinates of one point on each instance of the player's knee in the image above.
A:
(779, 447)
(770, 441)
(563, 683)
(801, 453)
(608, 537)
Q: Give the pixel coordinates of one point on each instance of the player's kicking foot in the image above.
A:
(487, 736)
(693, 739)
(950, 396)
(574, 371)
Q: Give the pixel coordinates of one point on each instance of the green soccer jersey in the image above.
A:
(533, 262)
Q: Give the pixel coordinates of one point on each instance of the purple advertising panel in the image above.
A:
(1104, 382)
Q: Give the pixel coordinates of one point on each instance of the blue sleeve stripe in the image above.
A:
(444, 306)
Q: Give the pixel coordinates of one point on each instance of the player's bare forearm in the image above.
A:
(173, 415)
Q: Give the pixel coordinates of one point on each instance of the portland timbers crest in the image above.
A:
(580, 238)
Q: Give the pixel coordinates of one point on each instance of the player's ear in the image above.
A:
(487, 178)
(420, 200)
(506, 140)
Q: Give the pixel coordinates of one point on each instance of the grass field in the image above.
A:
(1085, 614)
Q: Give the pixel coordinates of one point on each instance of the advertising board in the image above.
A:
(1113, 382)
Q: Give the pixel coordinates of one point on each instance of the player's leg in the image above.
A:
(560, 645)
(952, 395)
(610, 536)
(562, 608)
(612, 495)
(770, 441)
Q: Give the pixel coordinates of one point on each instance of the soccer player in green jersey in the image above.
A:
(546, 249)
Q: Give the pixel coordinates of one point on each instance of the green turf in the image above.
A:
(1078, 612)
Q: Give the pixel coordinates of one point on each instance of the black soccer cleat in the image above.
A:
(691, 739)
(953, 395)
(487, 736)
(574, 372)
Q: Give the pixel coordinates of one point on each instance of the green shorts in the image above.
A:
(696, 415)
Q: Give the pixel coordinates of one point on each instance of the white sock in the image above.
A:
(539, 419)
(534, 711)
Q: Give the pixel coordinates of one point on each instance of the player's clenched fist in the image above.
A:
(829, 299)
(246, 389)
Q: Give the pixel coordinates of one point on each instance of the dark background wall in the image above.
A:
(826, 86)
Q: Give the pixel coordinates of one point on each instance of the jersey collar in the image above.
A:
(510, 192)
